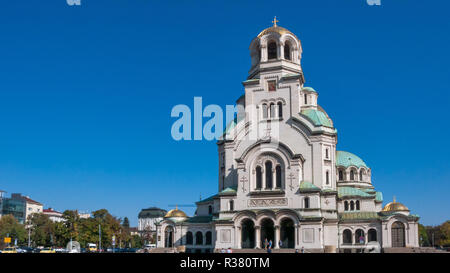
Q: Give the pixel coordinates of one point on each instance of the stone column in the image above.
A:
(237, 237)
(297, 228)
(277, 237)
(258, 236)
(274, 170)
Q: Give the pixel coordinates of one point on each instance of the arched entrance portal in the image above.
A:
(398, 234)
(287, 233)
(248, 234)
(168, 235)
(267, 232)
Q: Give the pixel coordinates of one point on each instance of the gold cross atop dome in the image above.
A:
(275, 21)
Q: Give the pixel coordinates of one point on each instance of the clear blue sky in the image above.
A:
(86, 94)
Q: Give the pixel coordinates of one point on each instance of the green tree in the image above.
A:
(126, 223)
(42, 229)
(137, 241)
(445, 234)
(11, 227)
(423, 236)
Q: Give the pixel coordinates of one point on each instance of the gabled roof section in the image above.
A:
(228, 191)
(350, 191)
(359, 215)
(308, 187)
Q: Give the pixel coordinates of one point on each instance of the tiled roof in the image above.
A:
(152, 212)
(310, 89)
(318, 118)
(306, 186)
(29, 200)
(360, 215)
(208, 199)
(350, 191)
(378, 196)
(347, 159)
(199, 219)
(228, 191)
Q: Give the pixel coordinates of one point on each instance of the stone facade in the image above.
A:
(280, 176)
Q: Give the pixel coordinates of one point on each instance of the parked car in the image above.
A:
(10, 250)
(48, 250)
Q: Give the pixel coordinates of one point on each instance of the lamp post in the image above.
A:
(99, 238)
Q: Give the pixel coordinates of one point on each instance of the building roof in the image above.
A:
(50, 210)
(346, 159)
(175, 213)
(309, 89)
(351, 191)
(199, 219)
(152, 212)
(31, 201)
(307, 186)
(394, 206)
(276, 29)
(359, 215)
(228, 191)
(317, 117)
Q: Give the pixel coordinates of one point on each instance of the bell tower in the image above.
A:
(275, 50)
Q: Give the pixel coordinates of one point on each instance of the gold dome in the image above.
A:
(175, 213)
(276, 29)
(395, 206)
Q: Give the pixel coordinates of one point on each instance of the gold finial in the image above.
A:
(394, 198)
(176, 207)
(275, 21)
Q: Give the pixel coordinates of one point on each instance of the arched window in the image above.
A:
(346, 205)
(189, 238)
(280, 109)
(326, 154)
(361, 175)
(347, 237)
(198, 238)
(306, 98)
(272, 110)
(272, 51)
(258, 177)
(352, 175)
(357, 205)
(278, 176)
(352, 205)
(306, 202)
(327, 178)
(341, 175)
(287, 51)
(372, 235)
(360, 237)
(231, 205)
(268, 174)
(265, 111)
(208, 238)
(210, 210)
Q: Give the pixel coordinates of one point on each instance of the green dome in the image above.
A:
(347, 159)
(310, 89)
(317, 117)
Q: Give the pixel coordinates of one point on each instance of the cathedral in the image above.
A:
(280, 177)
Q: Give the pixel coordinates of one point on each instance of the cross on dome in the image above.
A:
(275, 21)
